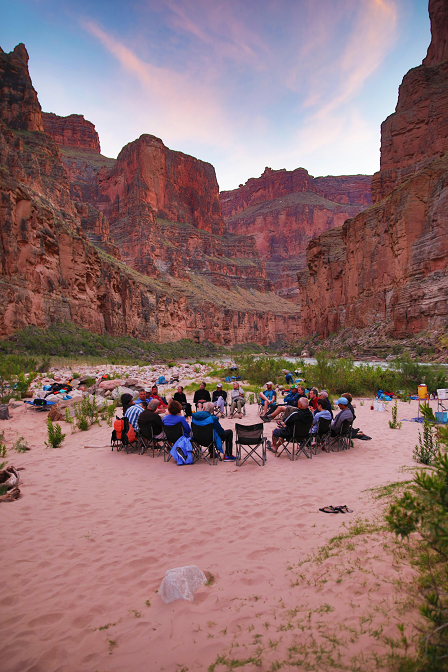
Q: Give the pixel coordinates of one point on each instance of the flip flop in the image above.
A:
(271, 449)
(344, 509)
(330, 509)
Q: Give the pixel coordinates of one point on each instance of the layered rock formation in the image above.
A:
(51, 271)
(72, 131)
(389, 264)
(417, 132)
(284, 210)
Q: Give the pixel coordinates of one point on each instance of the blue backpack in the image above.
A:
(182, 451)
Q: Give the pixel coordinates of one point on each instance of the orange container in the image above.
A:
(422, 391)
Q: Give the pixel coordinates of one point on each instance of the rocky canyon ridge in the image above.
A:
(389, 263)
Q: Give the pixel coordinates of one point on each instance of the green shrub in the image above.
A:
(107, 413)
(55, 435)
(2, 450)
(258, 370)
(13, 382)
(20, 445)
(86, 413)
(420, 515)
(428, 447)
(393, 424)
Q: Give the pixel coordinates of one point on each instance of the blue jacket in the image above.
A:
(171, 420)
(203, 418)
(292, 398)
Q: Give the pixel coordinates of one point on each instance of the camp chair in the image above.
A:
(322, 435)
(299, 442)
(172, 433)
(342, 441)
(249, 438)
(203, 441)
(147, 442)
(123, 442)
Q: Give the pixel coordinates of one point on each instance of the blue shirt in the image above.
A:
(202, 415)
(139, 401)
(326, 415)
(171, 420)
(132, 415)
(271, 395)
(292, 398)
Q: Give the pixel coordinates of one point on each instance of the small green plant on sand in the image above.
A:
(393, 424)
(69, 419)
(428, 446)
(420, 516)
(2, 450)
(20, 445)
(107, 413)
(55, 435)
(86, 413)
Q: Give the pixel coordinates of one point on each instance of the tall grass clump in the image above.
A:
(420, 516)
(55, 435)
(86, 413)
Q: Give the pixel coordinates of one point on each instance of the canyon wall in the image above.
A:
(389, 263)
(284, 210)
(72, 131)
(53, 269)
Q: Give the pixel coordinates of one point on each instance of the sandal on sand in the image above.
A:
(344, 509)
(271, 449)
(330, 509)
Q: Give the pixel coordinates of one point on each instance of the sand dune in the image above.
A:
(86, 546)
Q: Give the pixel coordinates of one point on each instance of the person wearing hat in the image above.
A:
(219, 399)
(268, 398)
(344, 414)
(238, 400)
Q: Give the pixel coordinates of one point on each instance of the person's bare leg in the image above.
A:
(276, 412)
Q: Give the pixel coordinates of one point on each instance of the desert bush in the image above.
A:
(411, 374)
(20, 445)
(16, 375)
(393, 424)
(86, 413)
(428, 446)
(107, 413)
(2, 450)
(55, 435)
(420, 516)
(258, 370)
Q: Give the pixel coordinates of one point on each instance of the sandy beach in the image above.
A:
(85, 547)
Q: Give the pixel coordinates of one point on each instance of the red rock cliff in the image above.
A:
(50, 271)
(284, 210)
(71, 131)
(389, 263)
(417, 132)
(166, 184)
(19, 106)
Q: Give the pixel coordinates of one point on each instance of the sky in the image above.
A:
(242, 84)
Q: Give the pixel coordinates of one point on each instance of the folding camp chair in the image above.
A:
(172, 433)
(149, 444)
(342, 441)
(299, 442)
(203, 441)
(249, 438)
(322, 435)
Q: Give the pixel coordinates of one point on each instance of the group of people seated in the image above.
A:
(219, 399)
(145, 414)
(305, 409)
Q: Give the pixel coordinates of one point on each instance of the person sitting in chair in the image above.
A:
(143, 395)
(162, 401)
(238, 400)
(201, 396)
(268, 398)
(149, 416)
(285, 429)
(131, 410)
(225, 434)
(314, 394)
(344, 414)
(292, 397)
(174, 416)
(182, 399)
(219, 399)
(356, 433)
(321, 412)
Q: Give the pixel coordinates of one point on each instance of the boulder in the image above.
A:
(4, 412)
(55, 414)
(110, 384)
(124, 390)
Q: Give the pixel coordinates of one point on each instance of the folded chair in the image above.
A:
(149, 444)
(172, 433)
(322, 435)
(249, 438)
(203, 441)
(342, 441)
(299, 442)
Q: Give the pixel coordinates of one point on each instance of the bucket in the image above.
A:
(422, 391)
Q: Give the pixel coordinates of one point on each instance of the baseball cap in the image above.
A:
(269, 382)
(219, 385)
(342, 400)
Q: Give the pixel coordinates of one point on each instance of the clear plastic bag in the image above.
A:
(181, 583)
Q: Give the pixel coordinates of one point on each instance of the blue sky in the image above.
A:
(242, 84)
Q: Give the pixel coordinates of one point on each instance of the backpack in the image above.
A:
(123, 433)
(182, 451)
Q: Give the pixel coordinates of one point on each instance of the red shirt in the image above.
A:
(160, 400)
(313, 403)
